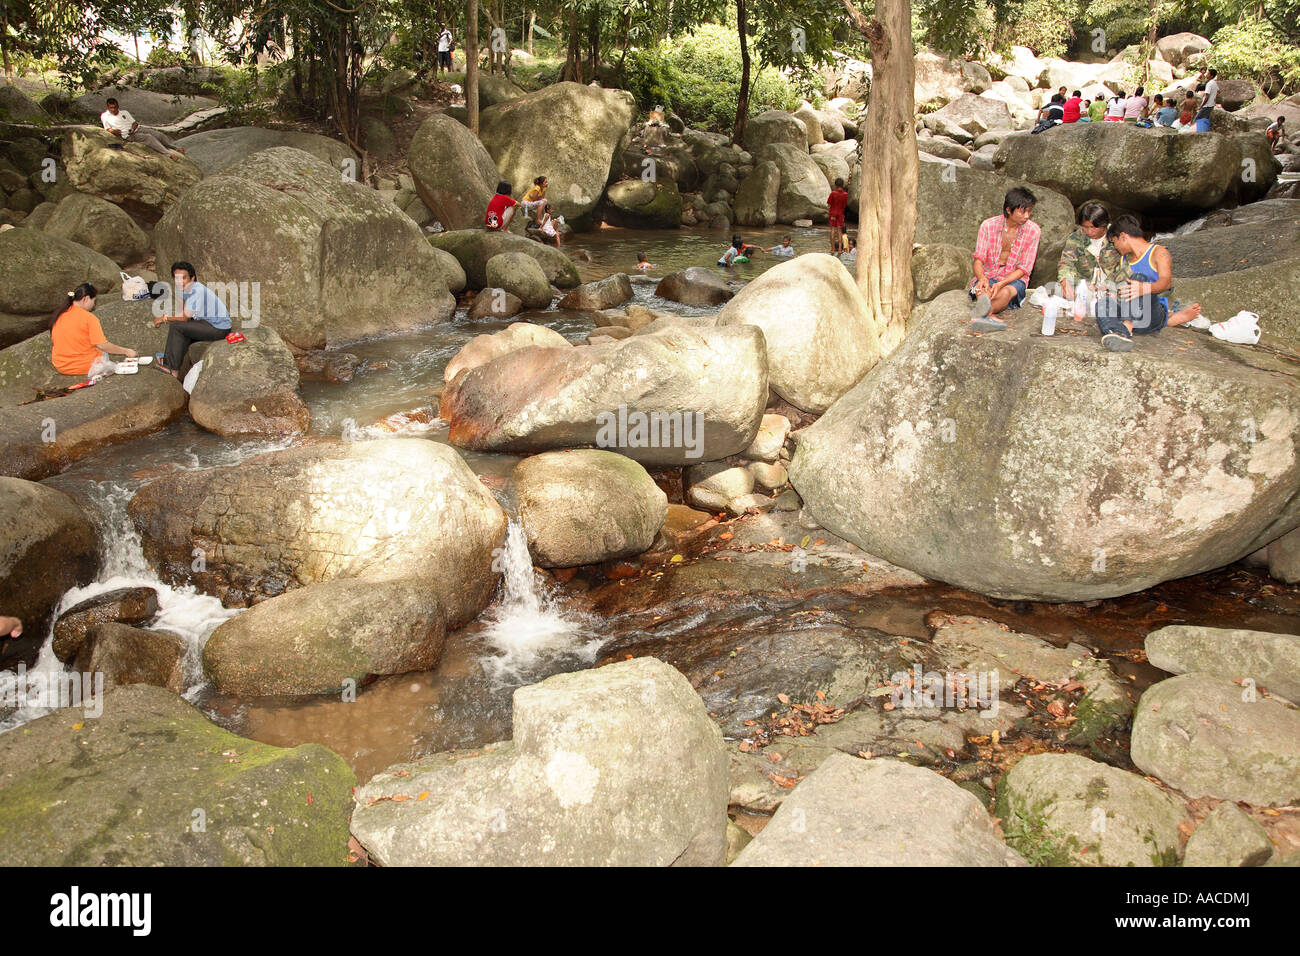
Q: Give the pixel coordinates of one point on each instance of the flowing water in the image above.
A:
(536, 626)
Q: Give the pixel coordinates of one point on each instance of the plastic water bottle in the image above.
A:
(1049, 317)
(1081, 300)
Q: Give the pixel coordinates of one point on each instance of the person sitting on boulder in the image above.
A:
(655, 133)
(785, 250)
(836, 203)
(1097, 109)
(76, 336)
(1115, 108)
(123, 125)
(546, 224)
(1138, 306)
(1135, 107)
(532, 201)
(1276, 134)
(1073, 109)
(1005, 250)
(200, 317)
(501, 209)
(1165, 111)
(1053, 114)
(1087, 256)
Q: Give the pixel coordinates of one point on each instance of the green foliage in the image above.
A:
(698, 77)
(249, 95)
(1255, 50)
(161, 56)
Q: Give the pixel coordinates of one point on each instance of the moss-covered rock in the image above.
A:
(474, 247)
(453, 173)
(37, 270)
(521, 275)
(131, 175)
(638, 204)
(152, 782)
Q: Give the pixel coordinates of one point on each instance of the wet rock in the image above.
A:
(328, 366)
(483, 349)
(854, 812)
(217, 149)
(65, 780)
(614, 766)
(885, 465)
(493, 303)
(315, 639)
(638, 204)
(523, 138)
(128, 606)
(249, 388)
(388, 510)
(144, 183)
(1228, 837)
(670, 396)
(586, 506)
(1210, 737)
(47, 546)
(130, 655)
(333, 262)
(474, 247)
(453, 173)
(694, 286)
(605, 294)
(1067, 810)
(1269, 660)
(821, 335)
(519, 274)
(99, 225)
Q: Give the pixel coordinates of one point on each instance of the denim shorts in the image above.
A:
(1017, 300)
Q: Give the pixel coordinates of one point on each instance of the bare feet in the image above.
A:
(1183, 316)
(10, 627)
(181, 150)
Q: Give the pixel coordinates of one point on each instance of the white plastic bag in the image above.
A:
(192, 377)
(133, 287)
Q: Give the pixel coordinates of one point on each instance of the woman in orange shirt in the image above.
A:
(76, 335)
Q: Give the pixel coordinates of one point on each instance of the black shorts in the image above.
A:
(444, 58)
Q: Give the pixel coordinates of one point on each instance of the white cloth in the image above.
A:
(1094, 245)
(122, 122)
(444, 41)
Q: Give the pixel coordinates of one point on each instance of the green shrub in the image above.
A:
(698, 77)
(1253, 50)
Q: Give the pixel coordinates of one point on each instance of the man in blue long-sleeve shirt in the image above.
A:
(202, 317)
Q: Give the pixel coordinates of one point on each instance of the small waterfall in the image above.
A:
(525, 625)
(181, 610)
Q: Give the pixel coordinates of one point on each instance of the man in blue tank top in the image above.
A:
(1138, 305)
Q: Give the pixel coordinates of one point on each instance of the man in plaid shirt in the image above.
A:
(1005, 250)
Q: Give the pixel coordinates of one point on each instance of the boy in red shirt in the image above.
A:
(836, 202)
(501, 209)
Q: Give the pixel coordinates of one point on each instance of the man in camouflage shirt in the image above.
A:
(1087, 250)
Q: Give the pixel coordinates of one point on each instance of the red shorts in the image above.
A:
(837, 222)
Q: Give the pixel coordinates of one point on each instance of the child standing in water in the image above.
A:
(643, 264)
(785, 250)
(836, 203)
(738, 252)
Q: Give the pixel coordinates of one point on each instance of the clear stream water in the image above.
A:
(528, 633)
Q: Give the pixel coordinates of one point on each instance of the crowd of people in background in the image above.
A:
(1192, 114)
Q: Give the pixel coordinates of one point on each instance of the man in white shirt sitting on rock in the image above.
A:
(122, 124)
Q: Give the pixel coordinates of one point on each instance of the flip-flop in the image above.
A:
(988, 325)
(981, 307)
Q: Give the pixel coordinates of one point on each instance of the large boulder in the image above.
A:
(974, 114)
(619, 765)
(99, 225)
(148, 108)
(1266, 290)
(1066, 810)
(1270, 660)
(1136, 169)
(484, 348)
(249, 388)
(522, 276)
(1022, 63)
(938, 80)
(812, 123)
(882, 812)
(607, 293)
(38, 269)
(494, 89)
(939, 267)
(1176, 48)
(389, 510)
(820, 333)
(939, 460)
(638, 204)
(17, 107)
(775, 126)
(1211, 252)
(474, 247)
(1213, 737)
(1236, 92)
(584, 506)
(315, 639)
(756, 199)
(666, 397)
(48, 545)
(43, 438)
(694, 285)
(525, 138)
(803, 191)
(453, 173)
(333, 261)
(132, 655)
(131, 175)
(952, 201)
(217, 149)
(198, 795)
(128, 606)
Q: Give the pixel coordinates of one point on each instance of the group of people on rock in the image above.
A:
(1191, 114)
(1129, 279)
(78, 341)
(543, 225)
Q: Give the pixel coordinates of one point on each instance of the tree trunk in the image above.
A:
(742, 100)
(887, 210)
(593, 39)
(573, 61)
(532, 21)
(471, 65)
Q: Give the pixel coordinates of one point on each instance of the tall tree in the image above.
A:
(471, 65)
(887, 208)
(742, 101)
